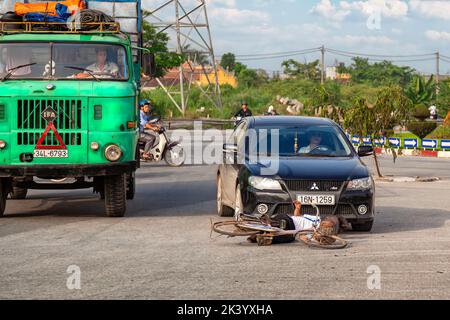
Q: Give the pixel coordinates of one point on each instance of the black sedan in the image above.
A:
(271, 161)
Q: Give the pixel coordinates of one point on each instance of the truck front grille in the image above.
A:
(31, 125)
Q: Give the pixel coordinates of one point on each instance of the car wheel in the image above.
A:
(362, 227)
(222, 210)
(18, 193)
(115, 196)
(238, 205)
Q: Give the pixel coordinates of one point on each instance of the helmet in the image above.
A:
(144, 102)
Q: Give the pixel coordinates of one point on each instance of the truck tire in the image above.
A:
(362, 227)
(3, 195)
(131, 185)
(18, 193)
(115, 196)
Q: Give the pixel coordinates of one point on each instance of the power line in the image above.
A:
(381, 60)
(379, 55)
(276, 57)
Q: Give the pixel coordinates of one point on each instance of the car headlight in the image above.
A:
(2, 144)
(360, 184)
(113, 153)
(264, 183)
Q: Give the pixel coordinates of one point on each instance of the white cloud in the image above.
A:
(437, 35)
(329, 11)
(363, 40)
(432, 9)
(387, 8)
(238, 17)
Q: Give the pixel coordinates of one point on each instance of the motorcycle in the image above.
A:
(237, 120)
(171, 151)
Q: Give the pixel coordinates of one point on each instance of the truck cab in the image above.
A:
(68, 113)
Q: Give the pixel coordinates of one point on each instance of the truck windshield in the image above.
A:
(76, 61)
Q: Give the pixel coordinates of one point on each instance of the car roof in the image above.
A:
(262, 121)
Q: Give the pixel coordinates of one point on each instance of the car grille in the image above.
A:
(31, 124)
(341, 210)
(309, 185)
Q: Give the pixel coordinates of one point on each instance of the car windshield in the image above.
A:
(78, 61)
(301, 141)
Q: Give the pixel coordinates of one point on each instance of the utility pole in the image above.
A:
(438, 59)
(322, 65)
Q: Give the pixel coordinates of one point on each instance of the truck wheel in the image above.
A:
(222, 210)
(131, 185)
(18, 193)
(362, 227)
(3, 196)
(115, 193)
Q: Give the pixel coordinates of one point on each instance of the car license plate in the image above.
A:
(51, 153)
(318, 199)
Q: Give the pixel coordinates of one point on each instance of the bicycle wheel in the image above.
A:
(329, 242)
(232, 229)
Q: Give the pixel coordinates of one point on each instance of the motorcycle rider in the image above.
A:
(244, 111)
(147, 137)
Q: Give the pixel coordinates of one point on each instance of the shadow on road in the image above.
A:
(191, 198)
(396, 219)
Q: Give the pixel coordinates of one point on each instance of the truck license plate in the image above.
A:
(318, 199)
(51, 153)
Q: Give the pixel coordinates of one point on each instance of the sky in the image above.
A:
(382, 27)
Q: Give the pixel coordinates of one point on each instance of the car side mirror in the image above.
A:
(149, 64)
(364, 151)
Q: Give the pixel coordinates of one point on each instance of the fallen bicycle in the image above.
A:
(247, 226)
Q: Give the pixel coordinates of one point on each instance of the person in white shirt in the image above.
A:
(330, 225)
(103, 68)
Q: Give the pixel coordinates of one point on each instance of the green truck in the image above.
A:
(69, 107)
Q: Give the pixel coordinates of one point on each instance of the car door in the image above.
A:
(230, 167)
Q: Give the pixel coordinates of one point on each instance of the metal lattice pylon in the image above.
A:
(193, 38)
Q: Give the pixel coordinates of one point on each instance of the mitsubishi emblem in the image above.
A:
(314, 186)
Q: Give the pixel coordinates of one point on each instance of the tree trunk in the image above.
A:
(377, 165)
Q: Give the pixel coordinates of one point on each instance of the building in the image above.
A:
(200, 75)
(332, 74)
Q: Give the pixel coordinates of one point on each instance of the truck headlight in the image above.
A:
(360, 184)
(113, 153)
(2, 144)
(264, 183)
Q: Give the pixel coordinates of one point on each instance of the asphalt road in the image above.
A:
(163, 250)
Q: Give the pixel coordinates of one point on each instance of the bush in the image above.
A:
(421, 112)
(421, 128)
(441, 132)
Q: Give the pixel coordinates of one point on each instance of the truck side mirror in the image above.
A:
(149, 64)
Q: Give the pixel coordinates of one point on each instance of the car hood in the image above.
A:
(310, 168)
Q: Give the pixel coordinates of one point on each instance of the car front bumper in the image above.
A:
(281, 202)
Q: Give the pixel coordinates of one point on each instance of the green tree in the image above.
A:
(300, 70)
(228, 61)
(239, 67)
(392, 107)
(422, 91)
(157, 43)
(195, 55)
(380, 73)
